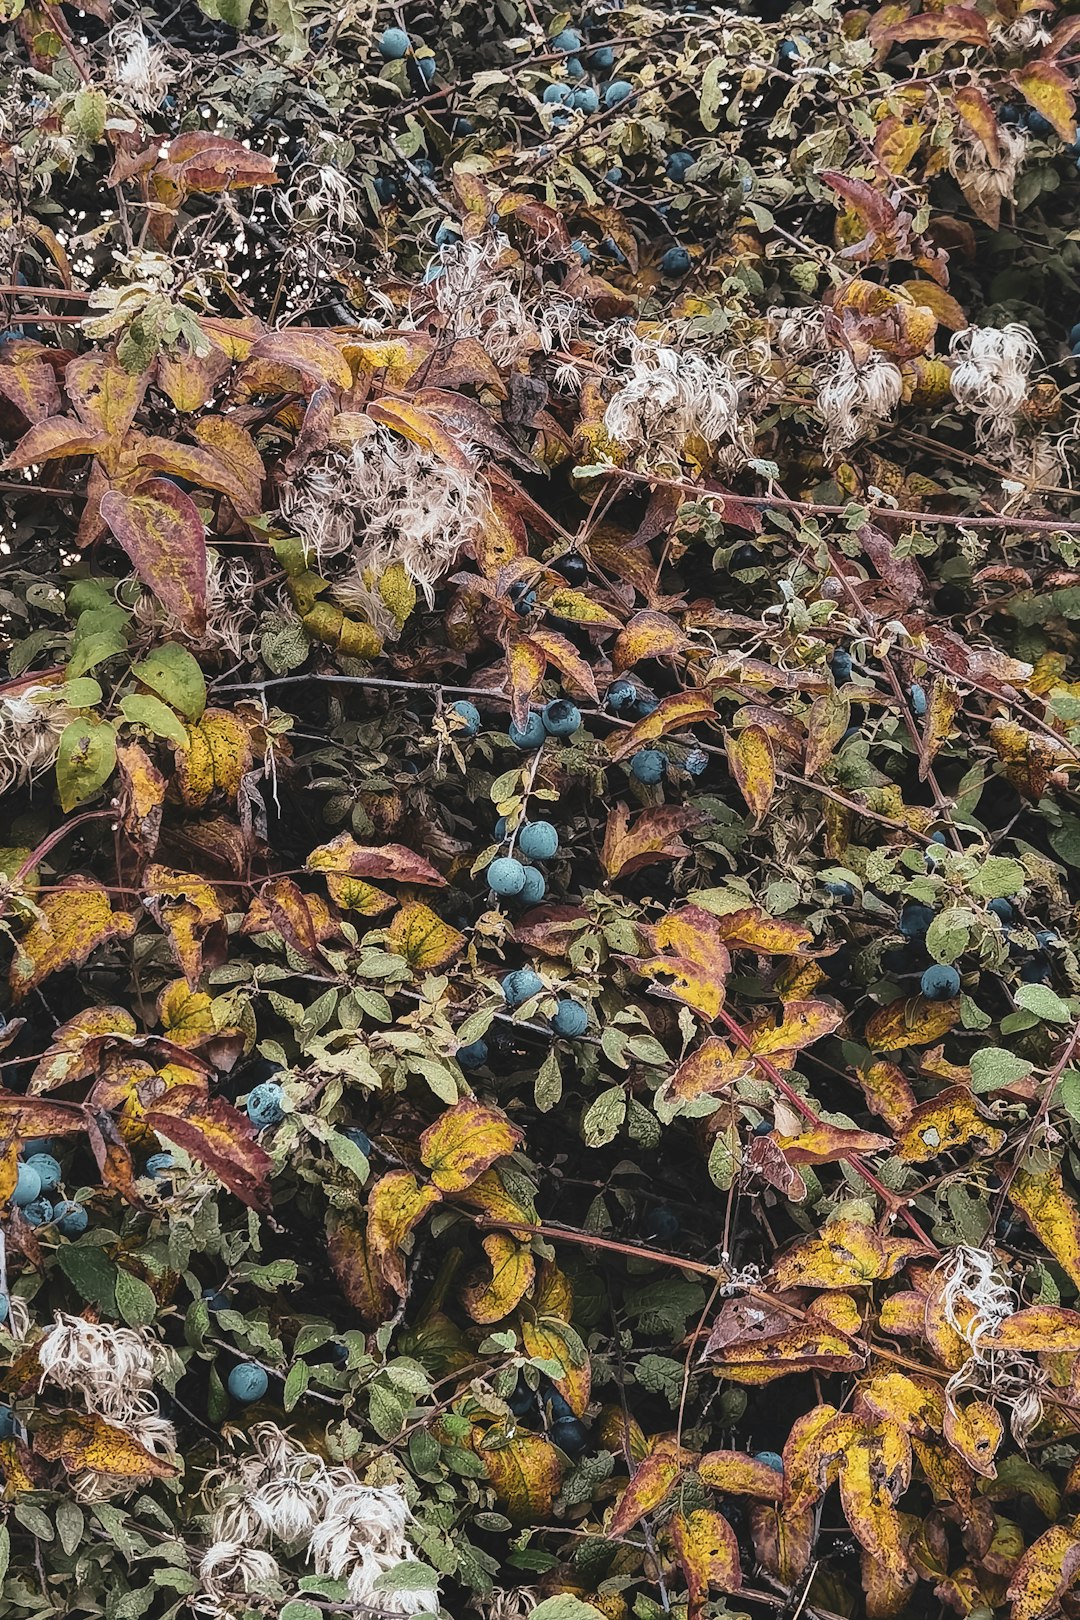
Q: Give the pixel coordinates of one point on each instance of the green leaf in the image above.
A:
(408, 1576)
(949, 934)
(140, 709)
(5, 1551)
(604, 1119)
(90, 651)
(90, 1270)
(994, 1067)
(85, 760)
(1044, 1003)
(565, 1606)
(82, 694)
(997, 878)
(171, 672)
(296, 1609)
(295, 1384)
(134, 1300)
(70, 1524)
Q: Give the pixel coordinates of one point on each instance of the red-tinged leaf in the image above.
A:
(163, 535)
(526, 662)
(763, 1158)
(955, 25)
(567, 660)
(800, 1025)
(397, 1202)
(975, 1432)
(113, 1156)
(825, 1144)
(1062, 37)
(105, 395)
(1038, 1328)
(1048, 89)
(708, 1553)
(802, 1348)
(902, 575)
(752, 929)
(22, 1118)
(357, 1273)
(740, 1475)
(829, 718)
(312, 355)
(647, 635)
(52, 438)
(875, 211)
(1047, 1571)
(464, 1142)
(674, 713)
(199, 466)
(232, 446)
(651, 1483)
(31, 388)
(391, 863)
(708, 1071)
(751, 762)
(72, 921)
(75, 1048)
(653, 836)
(280, 907)
(202, 160)
(218, 1136)
(978, 115)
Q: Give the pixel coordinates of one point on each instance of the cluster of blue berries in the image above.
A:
(509, 877)
(40, 1175)
(649, 765)
(394, 44)
(564, 1429)
(575, 93)
(560, 718)
(569, 1021)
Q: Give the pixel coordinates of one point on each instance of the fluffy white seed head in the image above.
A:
(854, 396)
(990, 377)
(139, 72)
(667, 397)
(32, 719)
(112, 1368)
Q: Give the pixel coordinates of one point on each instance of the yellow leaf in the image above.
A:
(750, 758)
(425, 941)
(647, 635)
(674, 713)
(186, 1015)
(464, 1142)
(86, 1441)
(708, 1551)
(651, 1483)
(842, 1255)
(524, 1470)
(1039, 1328)
(512, 1271)
(975, 1432)
(916, 1405)
(215, 758)
(396, 1203)
(1048, 89)
(554, 1340)
(913, 1021)
(755, 930)
(188, 909)
(579, 608)
(697, 967)
(708, 1070)
(71, 922)
(874, 1469)
(1046, 1572)
(801, 1024)
(947, 1121)
(526, 662)
(1051, 1213)
(741, 1475)
(806, 1346)
(398, 592)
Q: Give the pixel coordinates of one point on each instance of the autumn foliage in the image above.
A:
(538, 751)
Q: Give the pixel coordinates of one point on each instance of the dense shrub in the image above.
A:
(539, 761)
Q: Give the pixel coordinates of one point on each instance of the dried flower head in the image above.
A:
(32, 720)
(112, 1368)
(138, 72)
(855, 395)
(986, 183)
(668, 397)
(990, 377)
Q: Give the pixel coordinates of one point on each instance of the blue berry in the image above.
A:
(522, 1399)
(559, 120)
(620, 695)
(506, 876)
(788, 54)
(7, 1416)
(1001, 908)
(359, 1139)
(500, 829)
(645, 704)
(568, 40)
(771, 1459)
(915, 919)
(426, 64)
(49, 1172)
(386, 189)
(1074, 334)
(664, 1224)
(27, 1186)
(531, 735)
(1037, 124)
(574, 68)
(744, 556)
(447, 235)
(463, 126)
(917, 695)
(519, 985)
(602, 58)
(570, 1435)
(586, 99)
(840, 665)
(614, 177)
(468, 714)
(561, 718)
(649, 765)
(37, 1144)
(534, 888)
(1046, 939)
(938, 838)
(5, 1309)
(696, 762)
(265, 1105)
(393, 44)
(248, 1382)
(558, 95)
(473, 1056)
(158, 1166)
(1076, 346)
(522, 597)
(538, 840)
(678, 165)
(617, 91)
(675, 262)
(570, 1020)
(582, 249)
(71, 1219)
(840, 891)
(39, 1213)
(940, 982)
(217, 1300)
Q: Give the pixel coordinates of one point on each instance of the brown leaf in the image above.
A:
(357, 1273)
(653, 837)
(54, 437)
(86, 1441)
(218, 1136)
(954, 24)
(163, 535)
(113, 1156)
(142, 796)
